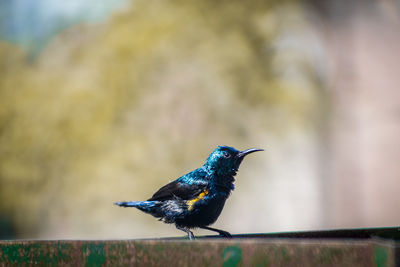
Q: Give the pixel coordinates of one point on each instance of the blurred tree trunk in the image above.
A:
(362, 40)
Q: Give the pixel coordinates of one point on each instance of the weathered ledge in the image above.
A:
(351, 247)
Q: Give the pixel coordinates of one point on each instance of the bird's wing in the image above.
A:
(181, 188)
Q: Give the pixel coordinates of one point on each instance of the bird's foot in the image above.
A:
(186, 230)
(220, 232)
(225, 234)
(190, 235)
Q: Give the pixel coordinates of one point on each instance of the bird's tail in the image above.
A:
(146, 206)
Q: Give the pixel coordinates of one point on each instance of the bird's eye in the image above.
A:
(226, 155)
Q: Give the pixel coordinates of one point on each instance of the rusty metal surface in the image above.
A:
(205, 252)
(392, 233)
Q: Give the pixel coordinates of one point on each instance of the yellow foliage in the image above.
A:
(107, 112)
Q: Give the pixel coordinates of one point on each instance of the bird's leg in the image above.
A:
(186, 230)
(220, 232)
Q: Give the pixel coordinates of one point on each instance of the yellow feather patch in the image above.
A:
(191, 202)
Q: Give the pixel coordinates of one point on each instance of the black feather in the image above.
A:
(177, 189)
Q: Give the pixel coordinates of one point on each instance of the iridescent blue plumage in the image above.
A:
(196, 199)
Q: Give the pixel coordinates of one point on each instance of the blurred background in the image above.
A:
(103, 101)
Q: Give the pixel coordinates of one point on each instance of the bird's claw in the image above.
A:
(225, 234)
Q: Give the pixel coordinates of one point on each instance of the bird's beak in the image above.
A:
(243, 153)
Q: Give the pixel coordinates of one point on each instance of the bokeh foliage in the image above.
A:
(110, 111)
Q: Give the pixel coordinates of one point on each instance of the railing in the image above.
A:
(353, 247)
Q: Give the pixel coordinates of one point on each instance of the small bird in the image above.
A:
(196, 199)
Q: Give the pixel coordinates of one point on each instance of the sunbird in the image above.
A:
(196, 199)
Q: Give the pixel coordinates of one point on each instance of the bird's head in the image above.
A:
(225, 160)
